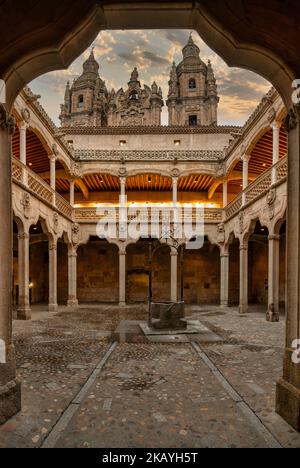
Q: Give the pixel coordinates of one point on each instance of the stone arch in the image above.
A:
(79, 33)
(279, 221)
(42, 137)
(20, 223)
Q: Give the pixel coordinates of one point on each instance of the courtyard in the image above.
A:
(80, 389)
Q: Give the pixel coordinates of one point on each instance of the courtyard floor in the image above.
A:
(81, 390)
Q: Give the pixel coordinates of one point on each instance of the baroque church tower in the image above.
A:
(86, 100)
(193, 96)
(136, 106)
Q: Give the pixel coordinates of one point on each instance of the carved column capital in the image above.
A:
(293, 118)
(7, 121)
(274, 237)
(52, 246)
(24, 236)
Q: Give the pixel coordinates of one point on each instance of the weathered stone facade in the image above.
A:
(89, 104)
(136, 106)
(193, 96)
(87, 99)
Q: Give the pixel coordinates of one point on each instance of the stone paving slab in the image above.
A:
(168, 399)
(147, 390)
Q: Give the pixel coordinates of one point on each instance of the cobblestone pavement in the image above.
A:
(147, 395)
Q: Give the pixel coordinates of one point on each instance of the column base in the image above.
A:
(10, 400)
(272, 315)
(24, 314)
(288, 391)
(243, 309)
(288, 403)
(53, 307)
(122, 304)
(74, 304)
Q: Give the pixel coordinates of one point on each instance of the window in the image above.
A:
(193, 121)
(80, 100)
(192, 83)
(134, 96)
(177, 142)
(123, 142)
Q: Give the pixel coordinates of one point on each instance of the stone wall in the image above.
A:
(201, 273)
(234, 273)
(137, 273)
(98, 272)
(39, 273)
(62, 273)
(258, 272)
(282, 271)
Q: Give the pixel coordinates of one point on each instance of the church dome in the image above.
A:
(90, 72)
(191, 49)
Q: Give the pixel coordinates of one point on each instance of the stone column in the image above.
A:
(276, 140)
(23, 150)
(174, 275)
(10, 390)
(53, 307)
(122, 277)
(273, 281)
(24, 311)
(224, 276)
(72, 192)
(288, 388)
(122, 213)
(175, 193)
(52, 171)
(243, 308)
(245, 160)
(225, 193)
(72, 277)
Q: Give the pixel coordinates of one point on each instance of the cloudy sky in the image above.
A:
(153, 52)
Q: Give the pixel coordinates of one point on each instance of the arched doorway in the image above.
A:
(98, 272)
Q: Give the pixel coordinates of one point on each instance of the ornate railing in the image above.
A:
(30, 181)
(257, 188)
(145, 215)
(281, 170)
(63, 206)
(25, 177)
(234, 207)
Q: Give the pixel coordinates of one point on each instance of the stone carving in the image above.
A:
(241, 222)
(271, 116)
(52, 245)
(271, 198)
(220, 171)
(7, 122)
(116, 155)
(23, 236)
(25, 115)
(293, 118)
(175, 173)
(122, 172)
(26, 204)
(75, 233)
(55, 149)
(55, 223)
(76, 171)
(221, 233)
